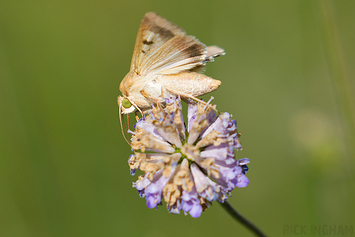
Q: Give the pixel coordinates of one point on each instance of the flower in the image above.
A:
(189, 167)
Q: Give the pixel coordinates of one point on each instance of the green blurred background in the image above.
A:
(287, 78)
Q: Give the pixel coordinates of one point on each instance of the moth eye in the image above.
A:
(126, 104)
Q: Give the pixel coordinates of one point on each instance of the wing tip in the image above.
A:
(214, 52)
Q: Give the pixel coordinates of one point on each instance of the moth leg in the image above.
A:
(136, 115)
(185, 95)
(150, 98)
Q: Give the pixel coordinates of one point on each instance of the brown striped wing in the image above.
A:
(163, 47)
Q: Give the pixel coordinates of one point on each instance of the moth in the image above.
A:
(165, 60)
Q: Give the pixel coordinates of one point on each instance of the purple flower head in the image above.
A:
(187, 167)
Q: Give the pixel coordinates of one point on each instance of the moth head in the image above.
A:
(125, 104)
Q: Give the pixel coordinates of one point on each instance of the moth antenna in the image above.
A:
(128, 121)
(124, 125)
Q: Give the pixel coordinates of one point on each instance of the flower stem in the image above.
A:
(241, 219)
(342, 85)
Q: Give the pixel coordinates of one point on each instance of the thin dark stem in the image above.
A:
(242, 220)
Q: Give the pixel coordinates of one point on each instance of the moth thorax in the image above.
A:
(127, 83)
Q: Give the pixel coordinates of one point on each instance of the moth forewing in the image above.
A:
(153, 32)
(178, 54)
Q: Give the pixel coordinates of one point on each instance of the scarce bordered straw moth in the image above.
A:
(165, 60)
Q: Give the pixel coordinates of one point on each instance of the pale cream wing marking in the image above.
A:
(180, 53)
